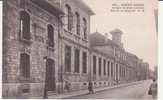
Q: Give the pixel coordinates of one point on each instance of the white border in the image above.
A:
(160, 48)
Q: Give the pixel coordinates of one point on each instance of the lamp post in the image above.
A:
(45, 96)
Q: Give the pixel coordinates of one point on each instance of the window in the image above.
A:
(104, 67)
(124, 72)
(85, 28)
(108, 68)
(25, 65)
(77, 23)
(120, 71)
(99, 66)
(112, 69)
(77, 60)
(69, 18)
(25, 25)
(84, 62)
(94, 64)
(68, 59)
(50, 36)
(116, 71)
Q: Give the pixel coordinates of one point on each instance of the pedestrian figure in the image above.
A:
(153, 89)
(90, 87)
(67, 86)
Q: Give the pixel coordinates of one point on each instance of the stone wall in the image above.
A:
(37, 49)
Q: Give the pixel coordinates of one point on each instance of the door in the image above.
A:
(50, 75)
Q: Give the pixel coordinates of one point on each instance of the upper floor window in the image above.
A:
(69, 18)
(25, 25)
(77, 23)
(50, 36)
(25, 65)
(85, 28)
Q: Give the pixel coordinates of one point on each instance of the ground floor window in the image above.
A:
(94, 64)
(84, 62)
(67, 59)
(25, 65)
(99, 60)
(77, 60)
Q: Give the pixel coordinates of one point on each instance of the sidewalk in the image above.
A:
(84, 92)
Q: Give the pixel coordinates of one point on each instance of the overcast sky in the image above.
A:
(139, 28)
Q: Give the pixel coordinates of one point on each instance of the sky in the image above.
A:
(139, 31)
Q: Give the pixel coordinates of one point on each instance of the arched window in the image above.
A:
(85, 28)
(77, 23)
(25, 65)
(25, 25)
(50, 35)
(69, 18)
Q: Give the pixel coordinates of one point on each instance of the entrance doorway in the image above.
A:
(50, 75)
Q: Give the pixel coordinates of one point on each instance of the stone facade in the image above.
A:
(71, 38)
(14, 85)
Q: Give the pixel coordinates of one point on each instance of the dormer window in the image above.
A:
(25, 25)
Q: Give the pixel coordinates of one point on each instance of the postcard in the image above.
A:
(80, 49)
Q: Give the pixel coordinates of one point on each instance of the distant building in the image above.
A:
(110, 62)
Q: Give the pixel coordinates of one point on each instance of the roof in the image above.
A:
(85, 6)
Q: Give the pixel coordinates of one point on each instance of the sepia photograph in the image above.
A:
(80, 49)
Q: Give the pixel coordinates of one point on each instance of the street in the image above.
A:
(138, 91)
